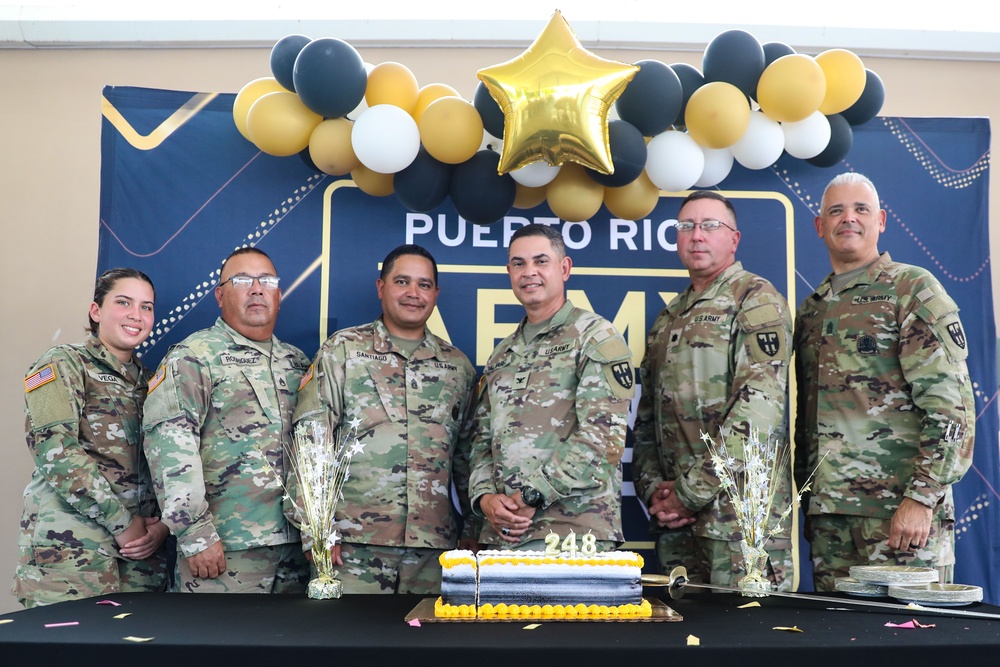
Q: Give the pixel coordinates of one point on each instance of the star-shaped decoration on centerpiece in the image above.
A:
(556, 97)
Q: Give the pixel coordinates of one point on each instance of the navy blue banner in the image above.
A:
(181, 188)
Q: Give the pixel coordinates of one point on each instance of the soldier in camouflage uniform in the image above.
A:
(549, 429)
(716, 363)
(90, 523)
(884, 396)
(405, 391)
(218, 422)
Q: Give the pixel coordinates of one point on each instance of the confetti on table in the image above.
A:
(414, 623)
(911, 625)
(110, 602)
(62, 625)
(138, 640)
(748, 605)
(693, 641)
(5, 621)
(128, 613)
(532, 626)
(794, 628)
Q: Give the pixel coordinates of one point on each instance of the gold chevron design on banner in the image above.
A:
(144, 143)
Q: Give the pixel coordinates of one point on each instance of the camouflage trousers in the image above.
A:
(839, 541)
(371, 568)
(720, 562)
(282, 568)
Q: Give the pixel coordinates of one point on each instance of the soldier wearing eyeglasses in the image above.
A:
(885, 403)
(218, 424)
(716, 363)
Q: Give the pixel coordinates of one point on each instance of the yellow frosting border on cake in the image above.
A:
(543, 612)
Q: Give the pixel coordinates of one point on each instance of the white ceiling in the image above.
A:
(968, 30)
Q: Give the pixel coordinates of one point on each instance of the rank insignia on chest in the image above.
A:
(957, 335)
(769, 342)
(623, 374)
(520, 380)
(867, 344)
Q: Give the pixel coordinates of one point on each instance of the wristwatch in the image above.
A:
(531, 496)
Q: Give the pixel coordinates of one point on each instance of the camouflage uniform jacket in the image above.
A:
(83, 428)
(716, 363)
(408, 413)
(884, 392)
(552, 414)
(216, 407)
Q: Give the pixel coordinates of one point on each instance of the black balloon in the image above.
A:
(488, 110)
(870, 102)
(841, 139)
(775, 50)
(308, 161)
(652, 100)
(691, 80)
(424, 184)
(479, 193)
(628, 154)
(283, 55)
(330, 77)
(736, 57)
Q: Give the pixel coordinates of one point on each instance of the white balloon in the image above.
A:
(385, 138)
(807, 138)
(363, 104)
(491, 143)
(718, 164)
(674, 161)
(535, 175)
(762, 143)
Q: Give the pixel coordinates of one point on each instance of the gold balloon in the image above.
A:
(717, 115)
(451, 130)
(392, 83)
(430, 93)
(526, 197)
(330, 147)
(845, 80)
(572, 195)
(249, 94)
(280, 124)
(791, 88)
(556, 97)
(633, 201)
(371, 182)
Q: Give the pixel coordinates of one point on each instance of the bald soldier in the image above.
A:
(218, 423)
(716, 363)
(405, 392)
(884, 395)
(549, 428)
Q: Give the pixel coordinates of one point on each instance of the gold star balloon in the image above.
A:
(555, 99)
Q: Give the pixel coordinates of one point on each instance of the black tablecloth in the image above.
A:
(274, 629)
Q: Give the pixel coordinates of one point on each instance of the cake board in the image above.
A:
(424, 612)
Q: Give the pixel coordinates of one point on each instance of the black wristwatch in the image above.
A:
(531, 496)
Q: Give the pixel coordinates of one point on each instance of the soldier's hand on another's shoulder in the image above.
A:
(208, 564)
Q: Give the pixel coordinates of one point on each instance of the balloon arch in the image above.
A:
(557, 123)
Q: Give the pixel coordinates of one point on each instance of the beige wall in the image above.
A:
(49, 191)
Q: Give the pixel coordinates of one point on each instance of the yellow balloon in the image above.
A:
(556, 97)
(430, 93)
(526, 197)
(392, 83)
(633, 201)
(249, 94)
(280, 124)
(791, 88)
(451, 130)
(574, 196)
(330, 147)
(371, 182)
(845, 80)
(717, 115)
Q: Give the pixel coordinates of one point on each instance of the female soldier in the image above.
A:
(89, 525)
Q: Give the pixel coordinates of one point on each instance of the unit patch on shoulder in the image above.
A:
(40, 377)
(155, 381)
(957, 334)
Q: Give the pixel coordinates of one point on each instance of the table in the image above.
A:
(190, 629)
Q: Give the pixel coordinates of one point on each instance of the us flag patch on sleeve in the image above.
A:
(305, 378)
(155, 381)
(38, 378)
